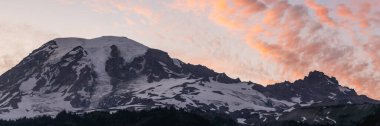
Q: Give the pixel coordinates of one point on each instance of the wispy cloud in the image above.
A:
(126, 8)
(321, 12)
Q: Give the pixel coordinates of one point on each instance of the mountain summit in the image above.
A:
(112, 73)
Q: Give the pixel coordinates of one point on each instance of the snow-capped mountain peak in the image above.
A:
(108, 73)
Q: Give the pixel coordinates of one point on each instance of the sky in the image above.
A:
(263, 41)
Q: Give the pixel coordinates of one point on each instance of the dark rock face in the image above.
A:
(118, 69)
(223, 78)
(158, 65)
(317, 88)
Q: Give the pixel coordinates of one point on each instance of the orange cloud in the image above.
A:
(249, 7)
(344, 11)
(274, 14)
(233, 14)
(321, 12)
(223, 15)
(362, 17)
(365, 9)
(372, 48)
(146, 13)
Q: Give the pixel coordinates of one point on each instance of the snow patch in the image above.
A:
(177, 63)
(332, 96)
(344, 89)
(328, 118)
(277, 102)
(241, 120)
(308, 103)
(296, 99)
(330, 82)
(289, 110)
(303, 119)
(28, 85)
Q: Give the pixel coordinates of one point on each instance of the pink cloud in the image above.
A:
(321, 12)
(146, 13)
(344, 11)
(372, 48)
(274, 14)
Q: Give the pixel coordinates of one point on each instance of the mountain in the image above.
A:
(112, 73)
(317, 89)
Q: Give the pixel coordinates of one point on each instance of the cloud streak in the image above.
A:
(127, 8)
(321, 12)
